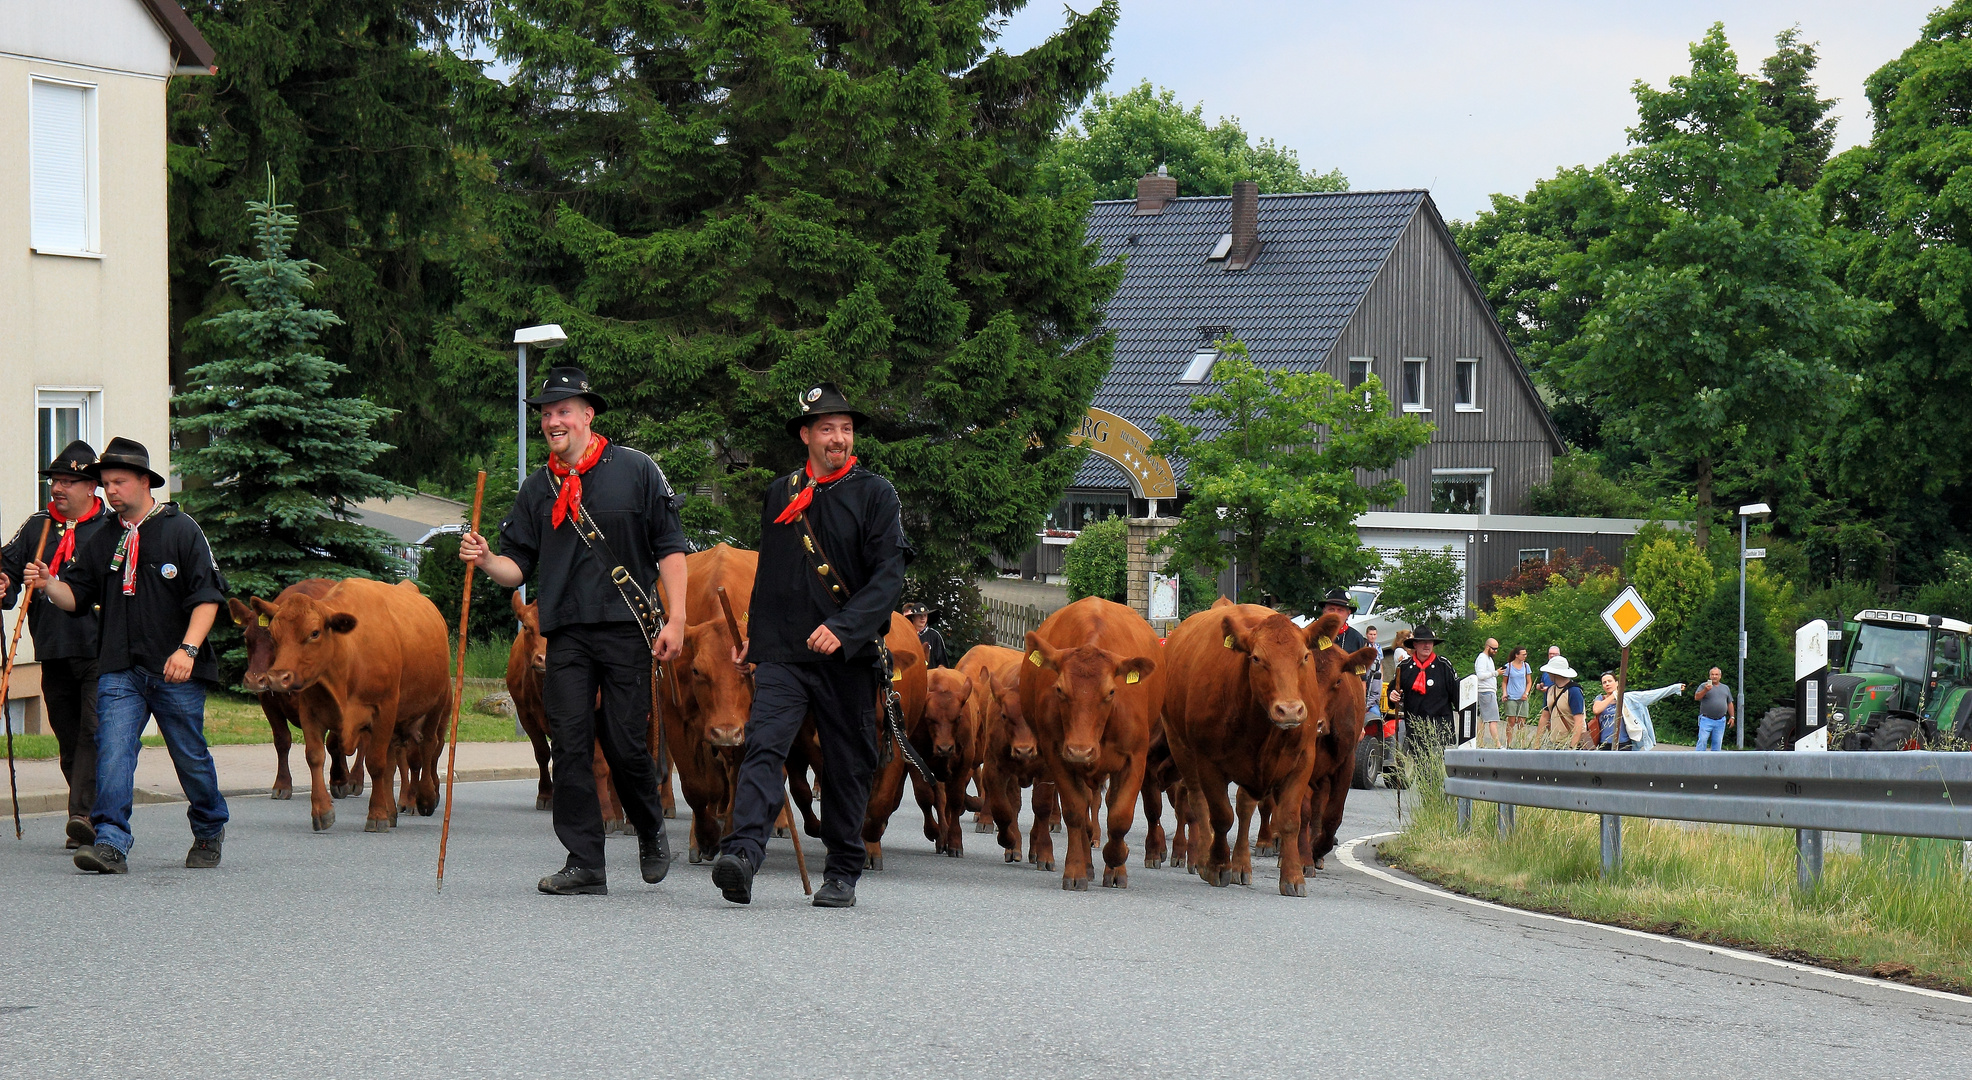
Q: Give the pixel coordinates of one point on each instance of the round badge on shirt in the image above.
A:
(169, 570)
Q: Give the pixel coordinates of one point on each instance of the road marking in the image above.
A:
(1348, 853)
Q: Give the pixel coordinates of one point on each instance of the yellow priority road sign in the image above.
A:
(1627, 616)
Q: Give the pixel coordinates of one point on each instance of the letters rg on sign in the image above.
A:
(1627, 616)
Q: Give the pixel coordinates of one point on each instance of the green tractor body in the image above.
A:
(1902, 683)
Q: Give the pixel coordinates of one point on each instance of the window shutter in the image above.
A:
(60, 182)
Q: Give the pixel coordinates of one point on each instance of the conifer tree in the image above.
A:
(284, 458)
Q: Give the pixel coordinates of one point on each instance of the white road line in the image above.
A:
(1348, 853)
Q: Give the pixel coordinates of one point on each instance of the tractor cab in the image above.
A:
(1903, 677)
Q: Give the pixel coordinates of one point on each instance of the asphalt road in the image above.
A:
(329, 955)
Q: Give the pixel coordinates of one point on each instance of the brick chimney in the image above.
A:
(1154, 190)
(1245, 225)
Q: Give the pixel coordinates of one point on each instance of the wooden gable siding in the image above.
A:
(1423, 304)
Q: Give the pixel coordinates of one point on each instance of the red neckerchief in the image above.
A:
(807, 494)
(65, 549)
(569, 502)
(1417, 685)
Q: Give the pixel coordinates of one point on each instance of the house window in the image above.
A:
(1461, 491)
(1467, 387)
(62, 167)
(1200, 367)
(1414, 385)
(1079, 509)
(61, 417)
(1533, 557)
(1359, 371)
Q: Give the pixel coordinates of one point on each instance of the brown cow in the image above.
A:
(1011, 757)
(345, 777)
(1091, 687)
(527, 663)
(370, 662)
(887, 789)
(948, 737)
(705, 701)
(1249, 702)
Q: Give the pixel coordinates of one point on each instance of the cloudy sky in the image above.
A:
(1471, 98)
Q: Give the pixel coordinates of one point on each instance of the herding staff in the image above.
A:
(458, 691)
(7, 680)
(787, 807)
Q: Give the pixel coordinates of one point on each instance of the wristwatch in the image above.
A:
(189, 649)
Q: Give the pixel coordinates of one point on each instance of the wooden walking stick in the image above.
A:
(7, 680)
(458, 691)
(787, 805)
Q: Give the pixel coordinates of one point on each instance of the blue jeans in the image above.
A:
(1711, 733)
(124, 699)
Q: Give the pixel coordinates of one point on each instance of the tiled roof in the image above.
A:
(1318, 255)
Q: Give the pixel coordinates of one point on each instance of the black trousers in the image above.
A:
(842, 699)
(68, 688)
(613, 658)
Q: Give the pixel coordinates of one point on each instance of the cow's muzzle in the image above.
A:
(944, 750)
(1023, 753)
(280, 681)
(725, 736)
(1288, 715)
(1078, 755)
(256, 681)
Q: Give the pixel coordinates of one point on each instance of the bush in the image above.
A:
(1423, 585)
(1579, 488)
(1463, 642)
(1532, 577)
(1096, 562)
(441, 577)
(1565, 614)
(1712, 640)
(1675, 579)
(1197, 591)
(1951, 596)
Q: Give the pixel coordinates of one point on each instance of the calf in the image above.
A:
(950, 736)
(370, 662)
(1010, 757)
(887, 788)
(345, 778)
(1092, 687)
(704, 701)
(527, 663)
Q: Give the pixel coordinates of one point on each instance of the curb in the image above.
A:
(56, 802)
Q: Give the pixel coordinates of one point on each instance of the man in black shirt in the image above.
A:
(593, 508)
(832, 556)
(1427, 689)
(64, 644)
(928, 635)
(153, 581)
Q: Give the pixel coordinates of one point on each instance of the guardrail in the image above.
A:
(1913, 793)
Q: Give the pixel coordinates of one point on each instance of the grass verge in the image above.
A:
(1882, 914)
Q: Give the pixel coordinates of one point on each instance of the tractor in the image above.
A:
(1902, 683)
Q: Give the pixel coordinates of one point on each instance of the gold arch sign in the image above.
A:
(1127, 445)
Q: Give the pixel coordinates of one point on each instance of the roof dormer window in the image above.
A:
(1200, 368)
(1221, 249)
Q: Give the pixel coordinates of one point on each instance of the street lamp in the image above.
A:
(546, 336)
(1750, 510)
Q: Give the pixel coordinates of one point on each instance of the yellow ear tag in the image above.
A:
(1034, 658)
(896, 676)
(265, 621)
(1323, 643)
(1131, 678)
(1229, 643)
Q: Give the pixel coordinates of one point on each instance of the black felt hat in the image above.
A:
(124, 453)
(74, 460)
(1340, 596)
(820, 400)
(1423, 633)
(915, 608)
(563, 383)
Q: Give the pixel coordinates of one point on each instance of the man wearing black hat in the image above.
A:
(593, 510)
(1341, 603)
(1427, 688)
(155, 584)
(832, 556)
(64, 644)
(928, 635)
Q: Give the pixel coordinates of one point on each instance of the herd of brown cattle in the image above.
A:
(1094, 714)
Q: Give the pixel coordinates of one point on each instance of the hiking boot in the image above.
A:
(836, 892)
(654, 855)
(733, 873)
(80, 833)
(576, 881)
(102, 859)
(204, 854)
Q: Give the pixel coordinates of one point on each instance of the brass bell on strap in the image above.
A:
(822, 570)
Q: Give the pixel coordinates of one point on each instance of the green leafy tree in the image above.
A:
(1711, 639)
(1722, 339)
(349, 103)
(1566, 613)
(1122, 137)
(724, 203)
(1423, 585)
(1951, 594)
(1096, 562)
(284, 459)
(1788, 102)
(1675, 578)
(1273, 473)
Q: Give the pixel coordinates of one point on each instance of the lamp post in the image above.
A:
(547, 336)
(1748, 511)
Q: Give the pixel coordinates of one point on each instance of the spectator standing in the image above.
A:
(1563, 710)
(928, 635)
(1374, 679)
(1547, 677)
(1715, 711)
(1519, 677)
(1487, 674)
(1635, 731)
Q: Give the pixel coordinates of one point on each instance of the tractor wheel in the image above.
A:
(1962, 727)
(1369, 763)
(1776, 729)
(1899, 732)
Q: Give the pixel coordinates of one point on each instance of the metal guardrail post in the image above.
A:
(1807, 858)
(1464, 815)
(1612, 845)
(1506, 820)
